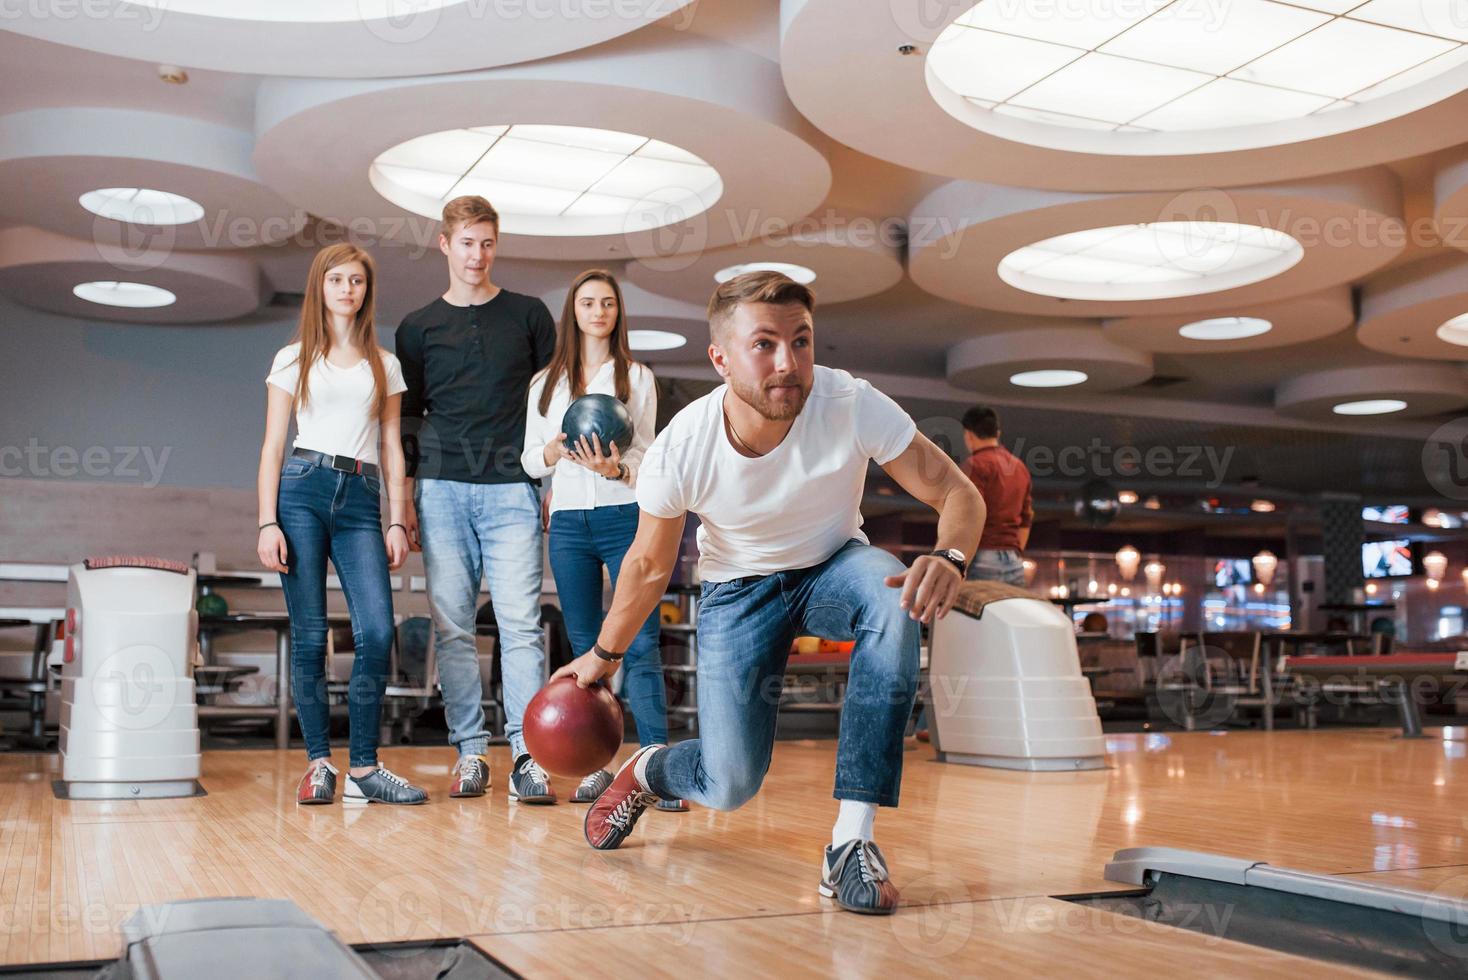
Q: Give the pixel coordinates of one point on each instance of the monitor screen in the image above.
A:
(1386, 559)
(1232, 571)
(1390, 514)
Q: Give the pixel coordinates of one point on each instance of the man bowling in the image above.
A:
(773, 462)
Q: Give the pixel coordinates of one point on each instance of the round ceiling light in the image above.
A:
(797, 272)
(1455, 331)
(1226, 328)
(1370, 406)
(133, 295)
(314, 12)
(1160, 260)
(1049, 378)
(550, 180)
(1155, 67)
(655, 340)
(142, 206)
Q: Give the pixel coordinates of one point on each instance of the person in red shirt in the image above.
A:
(1004, 482)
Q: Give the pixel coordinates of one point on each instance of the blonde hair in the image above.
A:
(467, 211)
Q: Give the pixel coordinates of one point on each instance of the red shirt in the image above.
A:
(1004, 481)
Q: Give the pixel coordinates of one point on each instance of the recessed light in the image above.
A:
(134, 295)
(1370, 406)
(797, 272)
(654, 340)
(550, 180)
(293, 11)
(1455, 331)
(142, 206)
(1226, 328)
(1171, 68)
(1160, 260)
(1051, 378)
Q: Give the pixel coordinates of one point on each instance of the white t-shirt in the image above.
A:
(574, 487)
(338, 417)
(795, 506)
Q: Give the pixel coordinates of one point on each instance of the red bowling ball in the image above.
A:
(573, 731)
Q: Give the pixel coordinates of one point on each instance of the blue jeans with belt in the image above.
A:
(328, 514)
(745, 628)
(489, 531)
(997, 565)
(581, 542)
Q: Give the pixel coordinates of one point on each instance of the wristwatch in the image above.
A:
(621, 473)
(607, 655)
(955, 556)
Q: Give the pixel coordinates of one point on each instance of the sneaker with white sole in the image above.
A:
(382, 786)
(318, 785)
(592, 786)
(471, 776)
(855, 875)
(529, 783)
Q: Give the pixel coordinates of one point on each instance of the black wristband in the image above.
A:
(403, 526)
(608, 656)
(268, 524)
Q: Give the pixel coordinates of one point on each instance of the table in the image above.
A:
(1390, 673)
(280, 623)
(44, 620)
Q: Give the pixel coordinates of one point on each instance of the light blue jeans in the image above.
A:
(991, 565)
(491, 530)
(745, 627)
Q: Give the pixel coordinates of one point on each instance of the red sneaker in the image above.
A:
(614, 813)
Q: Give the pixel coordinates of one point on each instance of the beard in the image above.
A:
(758, 398)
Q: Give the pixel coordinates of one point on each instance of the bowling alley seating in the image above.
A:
(1219, 675)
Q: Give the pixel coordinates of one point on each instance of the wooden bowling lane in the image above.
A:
(963, 842)
(1032, 937)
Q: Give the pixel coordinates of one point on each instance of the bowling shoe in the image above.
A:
(855, 875)
(611, 818)
(471, 776)
(382, 786)
(592, 786)
(318, 785)
(529, 783)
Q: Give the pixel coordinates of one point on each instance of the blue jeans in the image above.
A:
(327, 514)
(581, 542)
(1001, 565)
(488, 530)
(745, 628)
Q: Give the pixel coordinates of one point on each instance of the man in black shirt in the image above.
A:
(468, 358)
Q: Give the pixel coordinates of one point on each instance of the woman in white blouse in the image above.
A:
(593, 503)
(325, 502)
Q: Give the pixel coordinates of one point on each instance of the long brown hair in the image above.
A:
(314, 332)
(566, 361)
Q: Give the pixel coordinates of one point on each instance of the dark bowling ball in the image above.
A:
(601, 414)
(573, 731)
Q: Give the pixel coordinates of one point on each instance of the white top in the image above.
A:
(338, 417)
(573, 486)
(795, 506)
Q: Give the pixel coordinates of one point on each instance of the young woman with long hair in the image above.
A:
(593, 504)
(325, 502)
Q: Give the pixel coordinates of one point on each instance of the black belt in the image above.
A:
(344, 464)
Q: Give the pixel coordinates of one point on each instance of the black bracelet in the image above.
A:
(403, 526)
(609, 657)
(269, 524)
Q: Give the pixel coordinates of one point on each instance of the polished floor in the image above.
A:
(978, 854)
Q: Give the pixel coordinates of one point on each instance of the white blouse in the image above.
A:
(573, 486)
